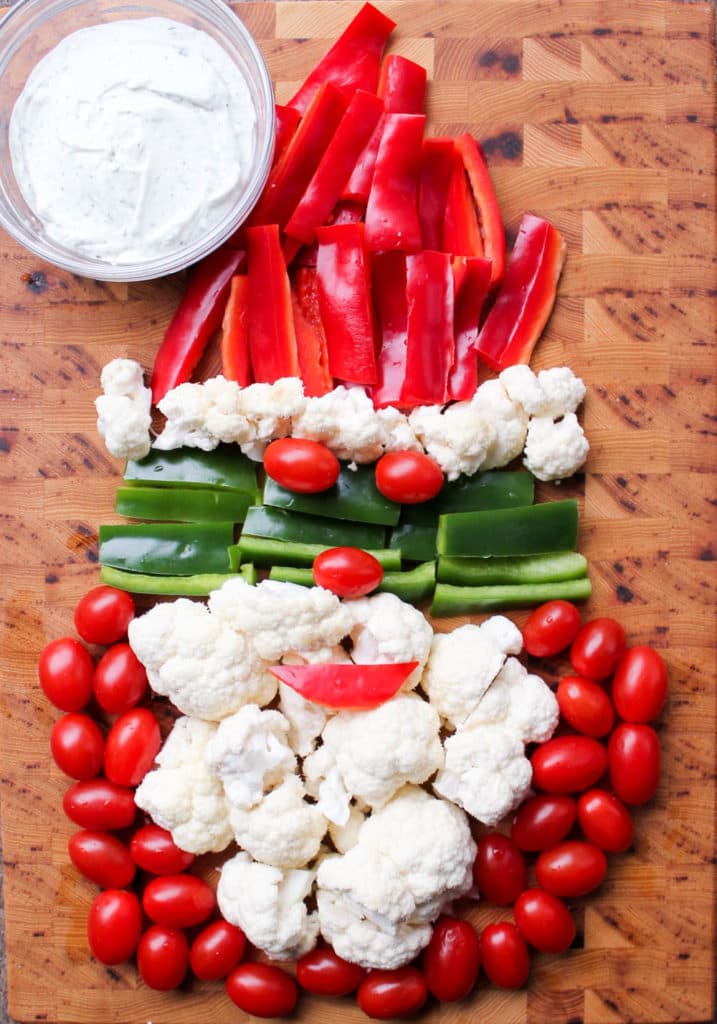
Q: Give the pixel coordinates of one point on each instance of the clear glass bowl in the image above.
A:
(33, 27)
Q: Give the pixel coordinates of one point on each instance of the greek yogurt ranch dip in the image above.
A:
(132, 139)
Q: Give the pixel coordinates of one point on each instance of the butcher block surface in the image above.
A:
(599, 116)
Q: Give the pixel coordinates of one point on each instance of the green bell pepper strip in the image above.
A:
(450, 600)
(183, 504)
(494, 489)
(473, 572)
(354, 496)
(199, 585)
(415, 541)
(265, 521)
(267, 551)
(225, 467)
(167, 549)
(533, 530)
(413, 586)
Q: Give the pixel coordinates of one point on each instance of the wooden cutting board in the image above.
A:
(597, 115)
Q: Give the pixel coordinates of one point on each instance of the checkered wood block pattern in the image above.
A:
(598, 115)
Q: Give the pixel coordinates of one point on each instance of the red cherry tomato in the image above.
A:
(163, 957)
(132, 744)
(499, 869)
(262, 989)
(77, 746)
(544, 921)
(306, 467)
(348, 572)
(99, 804)
(103, 615)
(597, 648)
(605, 820)
(639, 687)
(120, 680)
(65, 669)
(585, 705)
(570, 869)
(325, 973)
(551, 628)
(180, 901)
(451, 960)
(568, 764)
(217, 950)
(634, 759)
(542, 821)
(102, 858)
(504, 955)
(408, 477)
(387, 994)
(153, 849)
(114, 925)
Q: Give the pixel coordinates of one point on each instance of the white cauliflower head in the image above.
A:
(386, 629)
(552, 393)
(520, 702)
(306, 719)
(250, 754)
(124, 410)
(509, 420)
(361, 940)
(396, 431)
(458, 439)
(555, 450)
(187, 408)
(345, 421)
(269, 408)
(283, 829)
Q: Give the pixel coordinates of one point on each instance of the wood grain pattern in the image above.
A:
(599, 115)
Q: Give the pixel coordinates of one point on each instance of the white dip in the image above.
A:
(131, 140)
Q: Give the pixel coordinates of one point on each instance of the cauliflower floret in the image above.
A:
(520, 702)
(188, 408)
(458, 439)
(555, 450)
(509, 421)
(181, 796)
(345, 421)
(504, 634)
(386, 629)
(552, 393)
(268, 905)
(123, 410)
(486, 772)
(371, 881)
(360, 940)
(283, 829)
(346, 836)
(306, 719)
(268, 410)
(522, 387)
(397, 433)
(324, 783)
(250, 754)
(281, 618)
(192, 657)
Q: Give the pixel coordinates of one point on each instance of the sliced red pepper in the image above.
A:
(310, 336)
(344, 284)
(346, 685)
(402, 87)
(388, 282)
(324, 189)
(491, 222)
(293, 172)
(461, 231)
(235, 333)
(471, 278)
(287, 121)
(526, 297)
(197, 317)
(392, 211)
(346, 212)
(437, 162)
(354, 61)
(429, 342)
(272, 339)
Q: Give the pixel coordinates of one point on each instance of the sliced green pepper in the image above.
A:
(167, 549)
(416, 542)
(413, 586)
(265, 521)
(450, 600)
(496, 488)
(267, 551)
(533, 530)
(183, 504)
(225, 467)
(354, 496)
(473, 572)
(198, 585)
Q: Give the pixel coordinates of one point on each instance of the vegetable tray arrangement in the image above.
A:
(599, 120)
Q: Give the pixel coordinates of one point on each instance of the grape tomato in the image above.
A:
(217, 950)
(77, 746)
(544, 921)
(408, 477)
(120, 680)
(597, 648)
(397, 993)
(499, 870)
(132, 744)
(551, 628)
(99, 804)
(103, 615)
(634, 760)
(102, 858)
(504, 955)
(568, 764)
(324, 973)
(585, 705)
(300, 465)
(114, 925)
(65, 669)
(179, 901)
(153, 849)
(163, 957)
(639, 686)
(347, 572)
(543, 821)
(451, 960)
(605, 820)
(571, 869)
(262, 989)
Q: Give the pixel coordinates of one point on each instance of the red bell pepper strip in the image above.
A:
(354, 61)
(235, 333)
(324, 189)
(429, 342)
(346, 212)
(437, 162)
(197, 317)
(287, 121)
(388, 282)
(346, 685)
(526, 297)
(402, 87)
(471, 278)
(344, 284)
(310, 336)
(293, 172)
(392, 211)
(461, 231)
(272, 340)
(491, 223)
